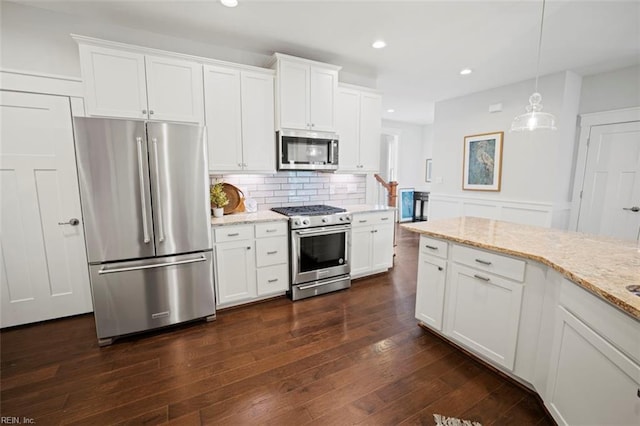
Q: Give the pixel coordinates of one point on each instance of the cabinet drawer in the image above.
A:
(490, 262)
(366, 219)
(273, 279)
(271, 229)
(271, 251)
(433, 247)
(233, 233)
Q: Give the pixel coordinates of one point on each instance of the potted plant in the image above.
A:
(218, 199)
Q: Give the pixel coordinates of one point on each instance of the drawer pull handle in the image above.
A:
(362, 221)
(431, 247)
(235, 234)
(272, 252)
(440, 268)
(384, 218)
(480, 277)
(273, 280)
(483, 262)
(271, 230)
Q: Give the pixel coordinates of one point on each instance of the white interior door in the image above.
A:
(44, 272)
(610, 202)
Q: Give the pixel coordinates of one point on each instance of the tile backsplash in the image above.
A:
(299, 188)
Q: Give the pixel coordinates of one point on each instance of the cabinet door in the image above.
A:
(293, 96)
(590, 381)
(174, 89)
(382, 249)
(114, 82)
(258, 133)
(324, 84)
(348, 128)
(483, 313)
(235, 272)
(361, 240)
(430, 290)
(370, 129)
(223, 118)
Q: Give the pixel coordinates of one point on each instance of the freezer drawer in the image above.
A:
(140, 295)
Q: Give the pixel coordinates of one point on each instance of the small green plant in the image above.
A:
(218, 196)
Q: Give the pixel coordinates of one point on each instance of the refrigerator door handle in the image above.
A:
(157, 265)
(159, 203)
(143, 204)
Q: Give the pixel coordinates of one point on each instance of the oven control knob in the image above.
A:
(305, 221)
(348, 218)
(296, 223)
(324, 220)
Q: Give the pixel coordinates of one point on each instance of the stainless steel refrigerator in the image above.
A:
(144, 190)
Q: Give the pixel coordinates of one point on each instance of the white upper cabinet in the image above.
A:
(223, 120)
(128, 84)
(174, 89)
(306, 92)
(114, 82)
(258, 132)
(239, 119)
(359, 124)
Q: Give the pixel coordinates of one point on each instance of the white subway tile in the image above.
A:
(306, 192)
(298, 199)
(313, 186)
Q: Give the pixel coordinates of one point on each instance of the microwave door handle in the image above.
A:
(331, 151)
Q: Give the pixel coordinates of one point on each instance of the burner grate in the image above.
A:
(314, 210)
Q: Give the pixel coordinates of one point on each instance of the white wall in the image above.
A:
(611, 90)
(536, 166)
(413, 147)
(37, 40)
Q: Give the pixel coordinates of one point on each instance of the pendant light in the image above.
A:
(534, 118)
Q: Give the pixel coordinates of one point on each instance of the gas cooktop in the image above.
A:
(316, 210)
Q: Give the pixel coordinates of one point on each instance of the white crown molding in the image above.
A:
(80, 39)
(610, 117)
(359, 88)
(281, 56)
(35, 82)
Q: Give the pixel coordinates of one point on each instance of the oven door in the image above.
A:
(318, 253)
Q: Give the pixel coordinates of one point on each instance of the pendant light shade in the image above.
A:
(534, 118)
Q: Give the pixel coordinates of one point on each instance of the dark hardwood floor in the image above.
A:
(355, 356)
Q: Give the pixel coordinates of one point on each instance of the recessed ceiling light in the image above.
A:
(391, 110)
(466, 71)
(378, 44)
(229, 3)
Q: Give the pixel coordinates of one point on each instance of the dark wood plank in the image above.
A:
(354, 356)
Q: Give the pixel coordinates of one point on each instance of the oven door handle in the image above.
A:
(325, 230)
(321, 283)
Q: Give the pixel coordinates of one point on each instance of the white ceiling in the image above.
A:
(429, 42)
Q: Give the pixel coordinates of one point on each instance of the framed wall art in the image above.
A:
(482, 166)
(405, 204)
(427, 174)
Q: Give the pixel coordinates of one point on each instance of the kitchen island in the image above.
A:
(549, 308)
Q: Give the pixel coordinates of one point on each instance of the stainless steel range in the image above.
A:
(320, 246)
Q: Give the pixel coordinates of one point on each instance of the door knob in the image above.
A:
(73, 222)
(633, 209)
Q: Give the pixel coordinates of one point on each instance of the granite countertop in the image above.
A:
(604, 266)
(242, 218)
(367, 208)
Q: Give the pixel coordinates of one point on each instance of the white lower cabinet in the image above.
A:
(483, 313)
(432, 274)
(586, 368)
(235, 271)
(371, 243)
(592, 377)
(251, 262)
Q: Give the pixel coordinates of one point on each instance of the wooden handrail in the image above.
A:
(392, 189)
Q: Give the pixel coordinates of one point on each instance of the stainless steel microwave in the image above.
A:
(307, 150)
